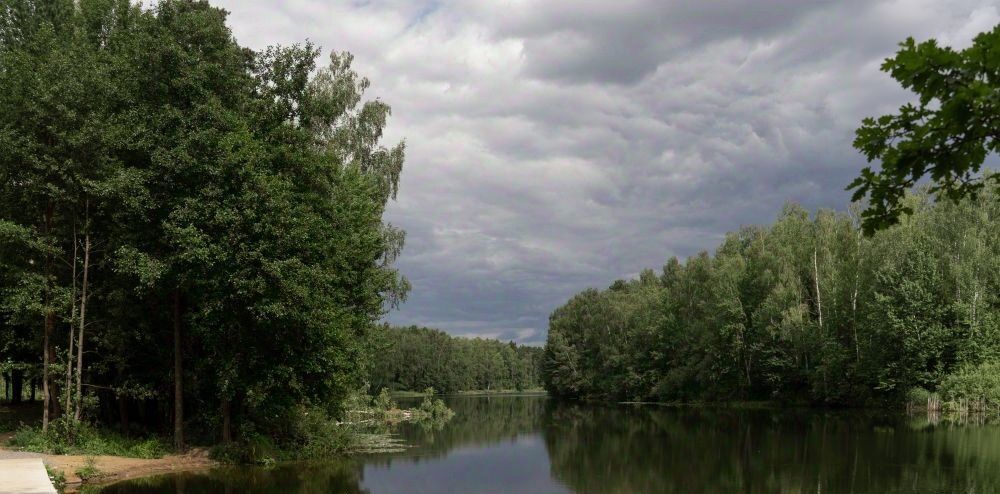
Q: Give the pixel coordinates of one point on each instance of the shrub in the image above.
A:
(973, 388)
(919, 399)
(256, 449)
(89, 469)
(433, 409)
(69, 437)
(318, 436)
(308, 433)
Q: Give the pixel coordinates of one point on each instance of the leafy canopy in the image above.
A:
(947, 135)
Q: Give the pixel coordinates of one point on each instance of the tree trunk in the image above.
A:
(854, 301)
(819, 301)
(227, 436)
(123, 413)
(47, 330)
(50, 392)
(83, 322)
(178, 377)
(46, 353)
(72, 321)
(16, 385)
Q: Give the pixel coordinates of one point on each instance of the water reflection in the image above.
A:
(532, 445)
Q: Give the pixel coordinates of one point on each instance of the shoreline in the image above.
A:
(112, 469)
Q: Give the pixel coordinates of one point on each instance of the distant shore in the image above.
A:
(475, 392)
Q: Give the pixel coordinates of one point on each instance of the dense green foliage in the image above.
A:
(973, 388)
(805, 310)
(947, 135)
(205, 220)
(413, 358)
(87, 441)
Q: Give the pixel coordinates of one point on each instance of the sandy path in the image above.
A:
(115, 468)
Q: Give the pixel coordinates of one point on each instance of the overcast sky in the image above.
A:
(558, 145)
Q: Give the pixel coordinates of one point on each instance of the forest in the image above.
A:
(191, 232)
(414, 358)
(808, 310)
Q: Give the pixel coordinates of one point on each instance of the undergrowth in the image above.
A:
(66, 437)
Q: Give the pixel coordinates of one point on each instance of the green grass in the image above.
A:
(85, 440)
(58, 478)
(89, 470)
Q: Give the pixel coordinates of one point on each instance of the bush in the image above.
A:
(922, 400)
(89, 470)
(308, 433)
(68, 437)
(256, 449)
(383, 402)
(432, 410)
(973, 388)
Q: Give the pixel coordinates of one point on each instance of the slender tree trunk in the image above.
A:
(178, 377)
(16, 385)
(123, 413)
(45, 377)
(819, 301)
(83, 322)
(72, 321)
(854, 300)
(47, 330)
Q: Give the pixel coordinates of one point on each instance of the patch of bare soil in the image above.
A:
(115, 468)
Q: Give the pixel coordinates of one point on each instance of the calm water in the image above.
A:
(531, 445)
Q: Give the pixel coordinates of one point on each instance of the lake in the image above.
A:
(533, 445)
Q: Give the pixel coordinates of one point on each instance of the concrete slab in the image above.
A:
(24, 476)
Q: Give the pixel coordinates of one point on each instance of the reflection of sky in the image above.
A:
(520, 465)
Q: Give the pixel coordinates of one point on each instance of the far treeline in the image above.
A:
(806, 310)
(414, 358)
(191, 233)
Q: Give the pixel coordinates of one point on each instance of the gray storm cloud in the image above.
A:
(554, 146)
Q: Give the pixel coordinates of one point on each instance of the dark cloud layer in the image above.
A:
(554, 146)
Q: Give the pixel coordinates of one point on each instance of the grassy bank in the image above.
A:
(65, 438)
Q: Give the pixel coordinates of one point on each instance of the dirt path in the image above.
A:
(115, 468)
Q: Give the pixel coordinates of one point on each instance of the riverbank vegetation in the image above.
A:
(806, 310)
(191, 232)
(414, 358)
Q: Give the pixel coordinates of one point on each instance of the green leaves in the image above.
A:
(804, 310)
(249, 184)
(946, 138)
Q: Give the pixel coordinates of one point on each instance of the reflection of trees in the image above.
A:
(627, 450)
(298, 478)
(478, 420)
(665, 450)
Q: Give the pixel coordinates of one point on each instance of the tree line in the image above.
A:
(805, 310)
(191, 232)
(414, 358)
